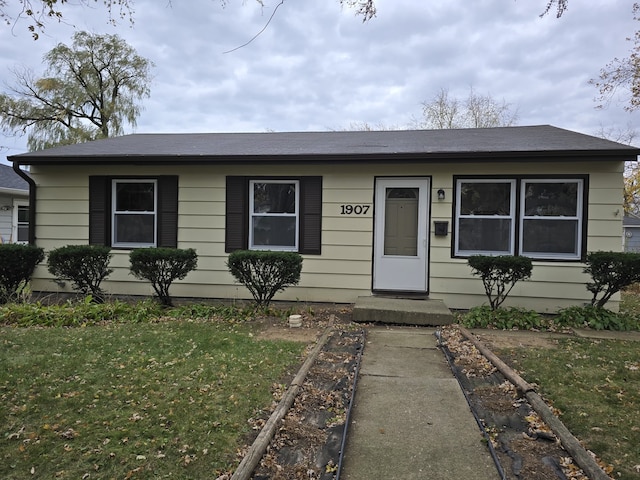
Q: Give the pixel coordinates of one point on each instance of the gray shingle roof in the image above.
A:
(11, 180)
(533, 141)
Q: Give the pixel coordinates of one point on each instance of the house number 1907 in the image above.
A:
(354, 209)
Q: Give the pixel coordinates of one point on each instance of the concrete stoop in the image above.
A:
(401, 311)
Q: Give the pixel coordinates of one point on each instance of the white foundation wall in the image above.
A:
(343, 271)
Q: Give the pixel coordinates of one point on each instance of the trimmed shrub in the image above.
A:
(265, 273)
(85, 266)
(499, 274)
(611, 272)
(161, 266)
(17, 263)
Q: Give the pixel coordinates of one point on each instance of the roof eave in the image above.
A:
(422, 157)
(16, 192)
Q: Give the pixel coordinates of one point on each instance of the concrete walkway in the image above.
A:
(410, 419)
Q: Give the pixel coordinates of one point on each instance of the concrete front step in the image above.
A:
(401, 311)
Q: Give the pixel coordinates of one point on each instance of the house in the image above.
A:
(390, 212)
(631, 233)
(14, 206)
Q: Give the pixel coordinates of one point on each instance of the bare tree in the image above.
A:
(476, 111)
(559, 5)
(40, 12)
(627, 136)
(367, 127)
(622, 75)
(441, 112)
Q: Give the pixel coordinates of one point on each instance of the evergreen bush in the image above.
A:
(265, 273)
(499, 274)
(17, 264)
(611, 272)
(85, 266)
(161, 266)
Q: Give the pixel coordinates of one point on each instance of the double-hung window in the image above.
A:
(21, 222)
(551, 212)
(274, 214)
(540, 218)
(134, 213)
(485, 217)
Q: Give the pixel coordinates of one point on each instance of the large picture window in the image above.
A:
(534, 217)
(134, 213)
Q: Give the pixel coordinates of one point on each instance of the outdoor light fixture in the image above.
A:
(6, 208)
(441, 194)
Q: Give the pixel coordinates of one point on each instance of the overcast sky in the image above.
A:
(318, 67)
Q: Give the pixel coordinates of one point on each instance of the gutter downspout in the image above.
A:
(32, 201)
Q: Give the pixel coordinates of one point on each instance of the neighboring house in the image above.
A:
(14, 206)
(392, 212)
(631, 233)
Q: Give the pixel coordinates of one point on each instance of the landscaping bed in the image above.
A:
(308, 442)
(525, 447)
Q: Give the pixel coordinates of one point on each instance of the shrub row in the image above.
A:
(264, 273)
(610, 273)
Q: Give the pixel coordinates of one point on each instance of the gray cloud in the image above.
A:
(317, 66)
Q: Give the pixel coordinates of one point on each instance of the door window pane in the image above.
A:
(401, 222)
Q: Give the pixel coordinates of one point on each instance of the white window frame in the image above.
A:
(115, 213)
(579, 218)
(296, 214)
(511, 216)
(17, 204)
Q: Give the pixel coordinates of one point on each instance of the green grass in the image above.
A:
(596, 386)
(122, 400)
(630, 301)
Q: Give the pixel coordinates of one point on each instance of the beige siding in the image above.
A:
(343, 270)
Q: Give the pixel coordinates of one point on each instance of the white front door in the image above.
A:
(401, 234)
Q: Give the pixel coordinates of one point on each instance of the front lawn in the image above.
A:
(125, 401)
(596, 386)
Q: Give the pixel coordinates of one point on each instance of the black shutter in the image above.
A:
(236, 231)
(168, 211)
(310, 241)
(99, 207)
